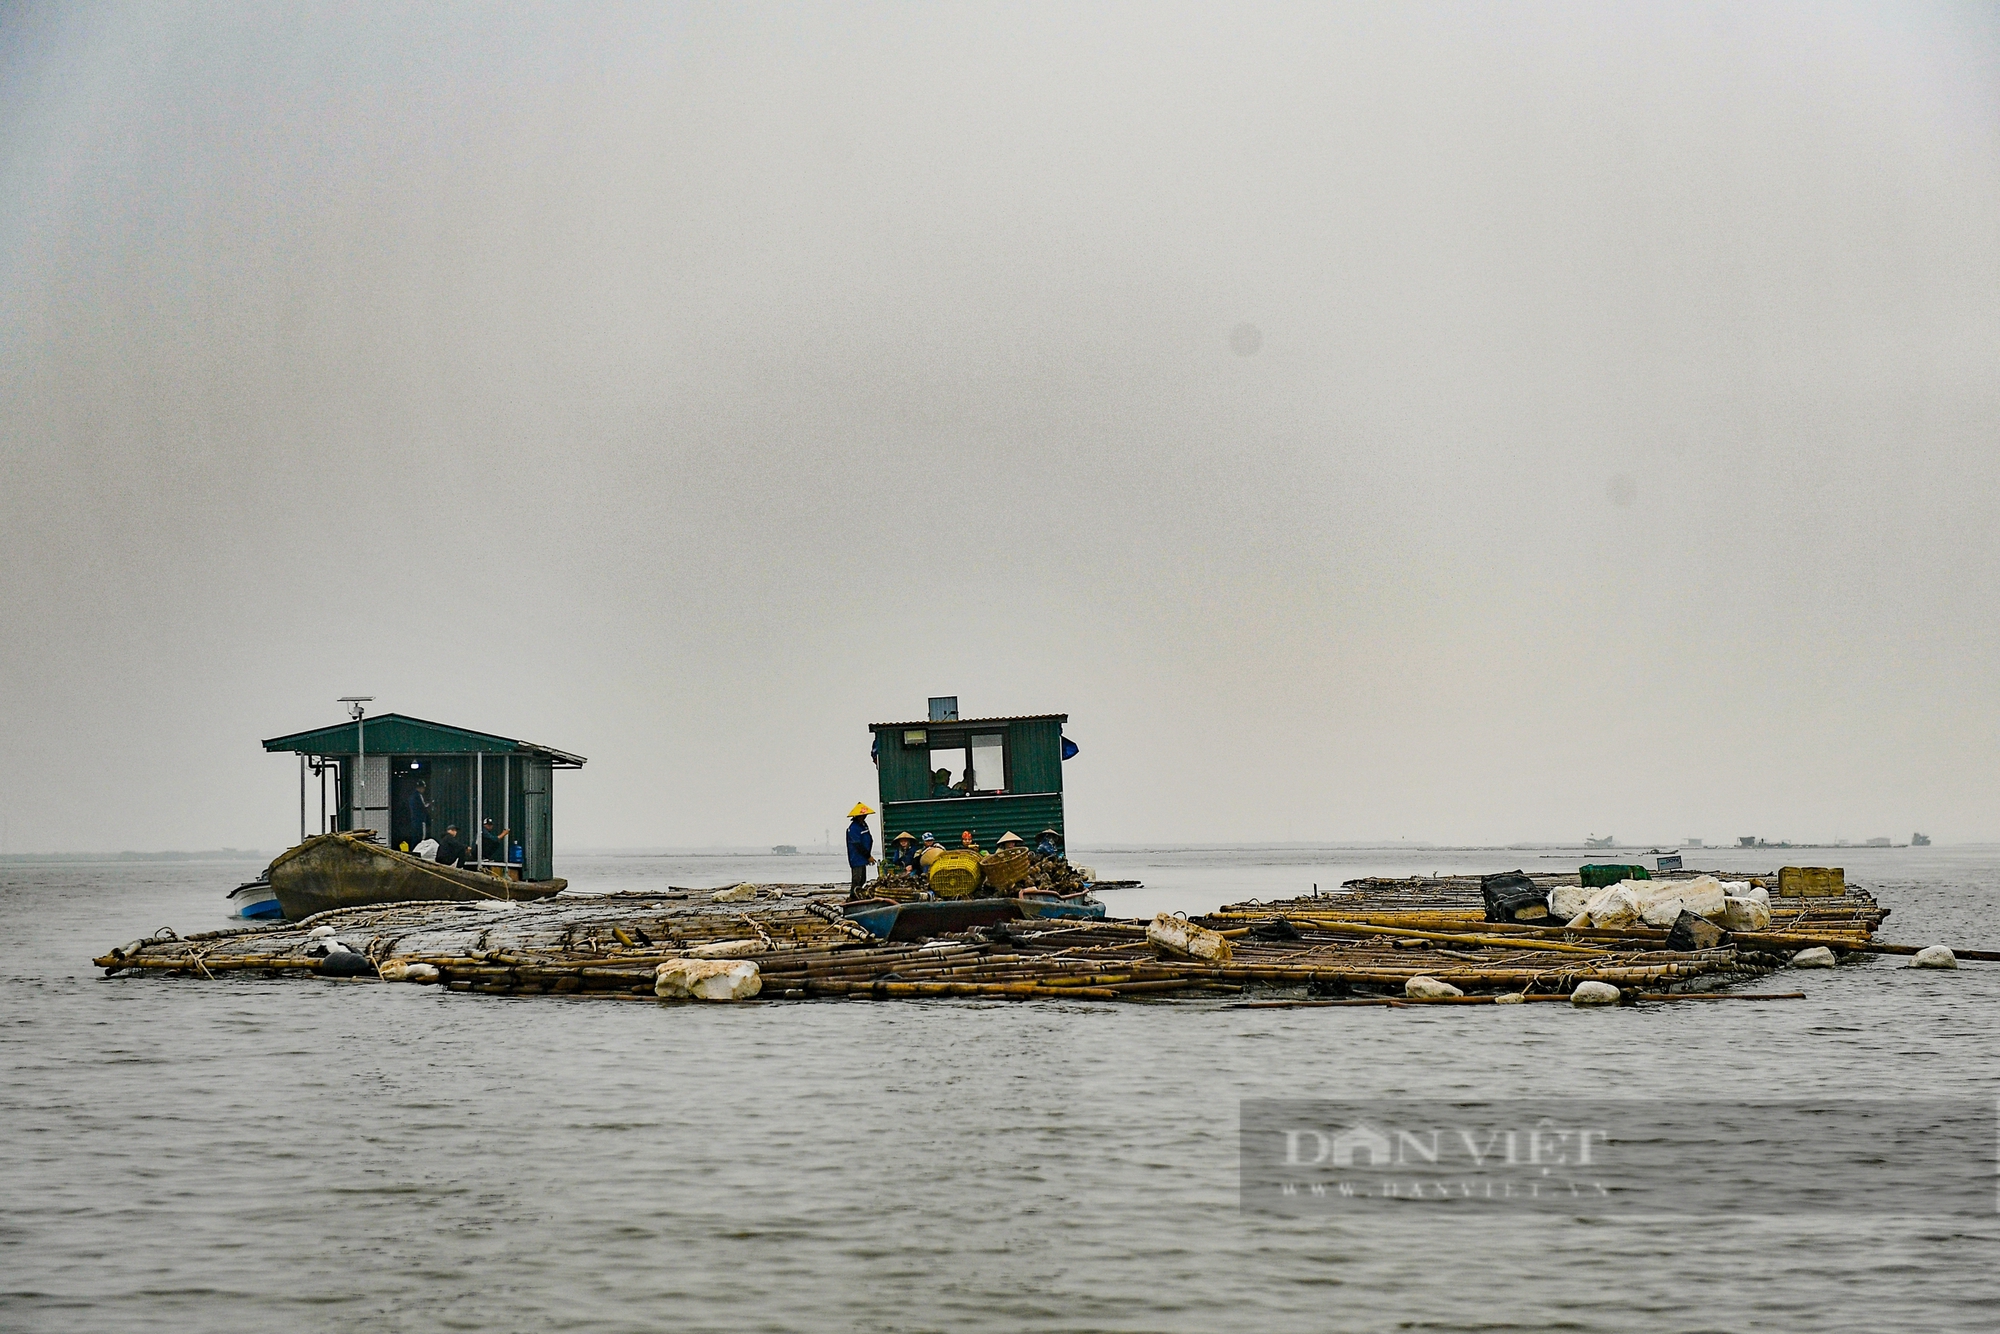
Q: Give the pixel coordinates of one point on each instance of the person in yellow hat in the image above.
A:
(860, 847)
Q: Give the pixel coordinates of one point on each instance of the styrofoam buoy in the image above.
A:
(320, 933)
(1177, 935)
(1819, 956)
(1594, 993)
(1934, 956)
(1510, 998)
(1429, 988)
(1566, 901)
(398, 970)
(1746, 914)
(707, 979)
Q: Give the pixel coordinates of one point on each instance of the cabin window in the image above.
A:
(948, 771)
(989, 762)
(963, 765)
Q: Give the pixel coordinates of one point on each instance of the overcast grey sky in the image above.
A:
(1469, 422)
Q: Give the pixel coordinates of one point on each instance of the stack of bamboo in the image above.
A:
(1443, 918)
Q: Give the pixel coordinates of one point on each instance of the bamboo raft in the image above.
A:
(1376, 934)
(1362, 944)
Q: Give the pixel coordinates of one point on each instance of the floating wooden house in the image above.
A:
(408, 779)
(990, 775)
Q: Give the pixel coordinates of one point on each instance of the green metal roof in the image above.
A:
(395, 734)
(946, 724)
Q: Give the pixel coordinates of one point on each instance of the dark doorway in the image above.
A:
(412, 804)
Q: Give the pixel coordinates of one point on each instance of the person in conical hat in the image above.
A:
(1049, 843)
(903, 852)
(860, 847)
(1010, 839)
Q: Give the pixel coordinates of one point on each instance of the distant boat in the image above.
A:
(1920, 840)
(785, 850)
(347, 871)
(1606, 842)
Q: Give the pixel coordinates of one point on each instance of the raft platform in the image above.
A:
(1364, 942)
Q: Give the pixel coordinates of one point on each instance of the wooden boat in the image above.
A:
(1058, 905)
(348, 871)
(889, 920)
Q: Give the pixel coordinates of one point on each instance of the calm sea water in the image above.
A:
(262, 1155)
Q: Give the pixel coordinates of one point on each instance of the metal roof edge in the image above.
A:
(563, 757)
(970, 722)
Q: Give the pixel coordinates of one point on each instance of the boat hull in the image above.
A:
(343, 871)
(925, 919)
(1035, 906)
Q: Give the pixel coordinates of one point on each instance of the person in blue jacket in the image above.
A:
(860, 846)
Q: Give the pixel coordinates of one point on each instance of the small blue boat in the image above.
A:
(254, 902)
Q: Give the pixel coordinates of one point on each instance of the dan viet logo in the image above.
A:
(1698, 1158)
(1544, 1144)
(1542, 1160)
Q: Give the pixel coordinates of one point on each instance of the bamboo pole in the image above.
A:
(1400, 1001)
(1405, 933)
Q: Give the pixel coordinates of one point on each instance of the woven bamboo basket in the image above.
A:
(1004, 870)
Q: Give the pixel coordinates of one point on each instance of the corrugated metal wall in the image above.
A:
(987, 817)
(538, 821)
(366, 806)
(904, 775)
(1034, 755)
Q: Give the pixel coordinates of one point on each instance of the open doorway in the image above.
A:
(411, 809)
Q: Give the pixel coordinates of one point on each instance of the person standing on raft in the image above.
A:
(860, 846)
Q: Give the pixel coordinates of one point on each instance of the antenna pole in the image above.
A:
(359, 796)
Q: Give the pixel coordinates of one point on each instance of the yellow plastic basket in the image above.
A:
(955, 875)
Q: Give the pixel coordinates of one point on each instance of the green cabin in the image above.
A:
(999, 774)
(408, 779)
